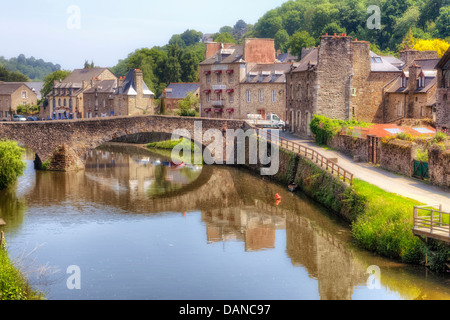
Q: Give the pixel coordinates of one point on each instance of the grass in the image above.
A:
(385, 225)
(13, 285)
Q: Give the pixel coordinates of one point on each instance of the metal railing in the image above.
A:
(324, 162)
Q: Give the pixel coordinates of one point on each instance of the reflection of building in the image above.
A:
(255, 227)
(325, 257)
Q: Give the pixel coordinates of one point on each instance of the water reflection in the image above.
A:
(128, 186)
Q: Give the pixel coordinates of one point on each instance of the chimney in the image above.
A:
(139, 82)
(414, 72)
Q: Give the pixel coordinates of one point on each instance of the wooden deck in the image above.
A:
(431, 222)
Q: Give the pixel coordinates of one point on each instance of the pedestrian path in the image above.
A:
(386, 180)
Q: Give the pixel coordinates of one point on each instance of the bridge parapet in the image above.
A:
(62, 145)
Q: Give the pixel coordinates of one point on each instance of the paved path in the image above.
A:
(391, 182)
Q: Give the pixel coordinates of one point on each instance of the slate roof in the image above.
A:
(180, 90)
(308, 60)
(381, 64)
(105, 86)
(36, 87)
(8, 88)
(232, 54)
(427, 66)
(128, 87)
(78, 75)
(268, 73)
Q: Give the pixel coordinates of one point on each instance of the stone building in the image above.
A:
(341, 79)
(443, 92)
(413, 94)
(176, 92)
(126, 96)
(66, 101)
(242, 79)
(12, 95)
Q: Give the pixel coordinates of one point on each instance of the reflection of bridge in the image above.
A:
(64, 144)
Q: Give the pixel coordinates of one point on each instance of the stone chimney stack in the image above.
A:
(139, 82)
(414, 72)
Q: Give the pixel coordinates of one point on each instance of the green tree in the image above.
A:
(12, 76)
(300, 40)
(54, 76)
(332, 28)
(189, 106)
(191, 37)
(269, 24)
(11, 164)
(282, 40)
(224, 38)
(162, 107)
(443, 22)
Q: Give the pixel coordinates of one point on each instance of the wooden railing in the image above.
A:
(431, 221)
(325, 163)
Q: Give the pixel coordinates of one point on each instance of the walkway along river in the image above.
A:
(140, 228)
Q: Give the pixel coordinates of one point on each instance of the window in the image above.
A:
(249, 96)
(299, 91)
(219, 78)
(354, 92)
(208, 78)
(274, 96)
(1, 114)
(422, 81)
(231, 79)
(422, 111)
(231, 97)
(403, 81)
(208, 97)
(261, 96)
(24, 94)
(400, 109)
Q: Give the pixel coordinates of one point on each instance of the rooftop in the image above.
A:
(180, 90)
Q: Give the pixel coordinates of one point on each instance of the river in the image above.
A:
(138, 227)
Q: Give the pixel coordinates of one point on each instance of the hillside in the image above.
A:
(34, 69)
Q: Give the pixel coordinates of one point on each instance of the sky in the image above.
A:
(69, 32)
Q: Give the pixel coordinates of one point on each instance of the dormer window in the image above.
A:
(421, 80)
(403, 81)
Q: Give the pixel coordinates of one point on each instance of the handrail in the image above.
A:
(433, 220)
(319, 159)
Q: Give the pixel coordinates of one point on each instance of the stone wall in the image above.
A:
(356, 147)
(438, 166)
(398, 155)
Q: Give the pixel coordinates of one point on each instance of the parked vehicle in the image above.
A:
(271, 121)
(32, 119)
(18, 117)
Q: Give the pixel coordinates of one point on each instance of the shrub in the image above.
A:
(325, 128)
(11, 164)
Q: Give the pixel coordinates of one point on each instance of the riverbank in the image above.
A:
(13, 284)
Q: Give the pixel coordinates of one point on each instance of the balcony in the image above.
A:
(218, 103)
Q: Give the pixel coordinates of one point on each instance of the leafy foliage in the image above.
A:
(54, 76)
(12, 76)
(11, 164)
(325, 128)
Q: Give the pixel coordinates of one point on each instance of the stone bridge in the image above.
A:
(63, 145)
